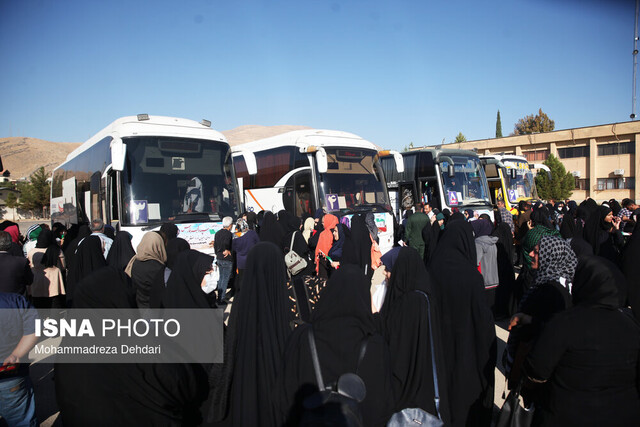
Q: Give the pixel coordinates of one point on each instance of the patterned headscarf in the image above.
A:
(532, 238)
(557, 262)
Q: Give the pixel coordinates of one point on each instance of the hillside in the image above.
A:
(22, 156)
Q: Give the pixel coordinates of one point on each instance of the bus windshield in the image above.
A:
(521, 187)
(353, 182)
(469, 186)
(178, 179)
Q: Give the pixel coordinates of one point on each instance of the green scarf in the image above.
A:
(532, 238)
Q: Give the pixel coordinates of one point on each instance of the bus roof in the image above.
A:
(306, 138)
(505, 157)
(151, 126)
(445, 151)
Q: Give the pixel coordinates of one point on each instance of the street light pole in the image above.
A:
(635, 62)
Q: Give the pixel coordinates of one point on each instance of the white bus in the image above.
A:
(444, 178)
(305, 170)
(142, 171)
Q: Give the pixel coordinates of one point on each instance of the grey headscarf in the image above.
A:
(557, 262)
(370, 220)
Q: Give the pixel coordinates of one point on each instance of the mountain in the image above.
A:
(22, 156)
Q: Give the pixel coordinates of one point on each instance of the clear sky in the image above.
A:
(394, 71)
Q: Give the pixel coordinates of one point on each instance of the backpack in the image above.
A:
(338, 404)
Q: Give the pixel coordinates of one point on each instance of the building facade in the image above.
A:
(602, 158)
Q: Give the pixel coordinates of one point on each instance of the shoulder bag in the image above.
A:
(295, 263)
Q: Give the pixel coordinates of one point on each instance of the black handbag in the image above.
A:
(513, 412)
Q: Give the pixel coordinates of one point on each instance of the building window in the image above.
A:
(581, 184)
(536, 156)
(616, 149)
(627, 183)
(571, 152)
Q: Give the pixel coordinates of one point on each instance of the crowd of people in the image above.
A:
(305, 319)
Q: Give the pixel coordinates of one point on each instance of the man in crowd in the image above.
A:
(222, 247)
(17, 338)
(97, 229)
(505, 215)
(413, 231)
(15, 272)
(628, 206)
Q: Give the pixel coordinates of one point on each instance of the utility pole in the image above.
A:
(635, 63)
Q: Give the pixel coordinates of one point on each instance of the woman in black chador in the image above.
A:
(124, 394)
(411, 360)
(588, 356)
(342, 323)
(467, 327)
(259, 325)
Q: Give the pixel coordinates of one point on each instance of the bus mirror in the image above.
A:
(250, 161)
(321, 159)
(399, 162)
(452, 171)
(513, 173)
(118, 153)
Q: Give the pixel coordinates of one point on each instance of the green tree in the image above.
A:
(34, 195)
(559, 186)
(534, 124)
(460, 137)
(409, 147)
(498, 126)
(12, 203)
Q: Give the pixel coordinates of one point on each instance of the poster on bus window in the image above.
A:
(452, 197)
(139, 212)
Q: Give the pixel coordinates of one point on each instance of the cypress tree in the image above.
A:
(498, 126)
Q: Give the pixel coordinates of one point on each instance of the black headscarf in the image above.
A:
(595, 283)
(87, 259)
(341, 322)
(430, 233)
(252, 220)
(596, 230)
(335, 253)
(357, 248)
(406, 275)
(467, 326)
(615, 206)
(174, 248)
(45, 239)
(121, 251)
(258, 330)
(482, 227)
(71, 243)
(183, 288)
(540, 216)
(271, 230)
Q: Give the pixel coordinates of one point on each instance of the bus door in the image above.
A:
(298, 196)
(430, 192)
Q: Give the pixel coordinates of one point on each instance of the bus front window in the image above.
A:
(520, 187)
(353, 182)
(177, 179)
(469, 186)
